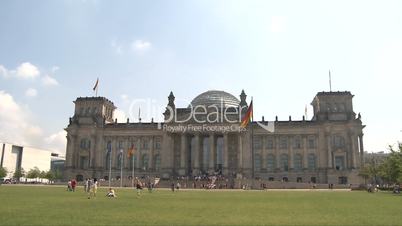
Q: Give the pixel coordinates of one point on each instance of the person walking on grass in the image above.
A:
(93, 187)
(73, 184)
(139, 189)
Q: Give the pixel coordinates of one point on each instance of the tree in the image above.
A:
(33, 173)
(19, 173)
(42, 175)
(50, 175)
(391, 168)
(3, 172)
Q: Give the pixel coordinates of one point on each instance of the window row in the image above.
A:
(144, 161)
(272, 163)
(283, 142)
(143, 144)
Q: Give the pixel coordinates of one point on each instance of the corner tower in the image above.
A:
(90, 110)
(333, 106)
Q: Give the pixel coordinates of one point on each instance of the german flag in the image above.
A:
(248, 116)
(96, 84)
(130, 152)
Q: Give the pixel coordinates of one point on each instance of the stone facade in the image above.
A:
(326, 149)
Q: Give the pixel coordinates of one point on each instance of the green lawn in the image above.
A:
(23, 205)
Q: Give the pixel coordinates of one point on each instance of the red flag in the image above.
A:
(248, 116)
(130, 152)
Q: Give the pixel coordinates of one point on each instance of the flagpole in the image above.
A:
(121, 167)
(132, 175)
(252, 141)
(110, 166)
(330, 82)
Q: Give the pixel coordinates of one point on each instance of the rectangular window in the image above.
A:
(311, 143)
(313, 180)
(339, 162)
(342, 180)
(297, 143)
(257, 142)
(83, 162)
(158, 143)
(269, 143)
(283, 143)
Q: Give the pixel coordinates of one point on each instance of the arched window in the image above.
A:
(297, 162)
(271, 163)
(257, 162)
(284, 162)
(157, 162)
(145, 162)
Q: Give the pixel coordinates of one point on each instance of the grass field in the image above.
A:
(43, 205)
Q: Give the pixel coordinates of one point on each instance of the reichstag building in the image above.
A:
(206, 138)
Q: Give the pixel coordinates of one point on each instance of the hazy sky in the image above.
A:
(279, 52)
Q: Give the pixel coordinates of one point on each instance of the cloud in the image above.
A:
(140, 45)
(49, 81)
(57, 142)
(278, 24)
(15, 123)
(17, 127)
(4, 71)
(31, 92)
(27, 71)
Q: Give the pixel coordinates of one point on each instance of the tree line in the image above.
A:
(384, 171)
(34, 173)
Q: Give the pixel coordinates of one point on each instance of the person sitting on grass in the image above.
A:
(111, 193)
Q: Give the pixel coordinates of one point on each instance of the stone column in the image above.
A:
(240, 153)
(167, 155)
(138, 154)
(277, 153)
(305, 153)
(196, 166)
(114, 153)
(212, 152)
(183, 151)
(151, 153)
(263, 153)
(361, 150)
(291, 154)
(225, 153)
(126, 160)
(353, 149)
(70, 150)
(329, 151)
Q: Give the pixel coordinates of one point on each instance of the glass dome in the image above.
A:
(216, 98)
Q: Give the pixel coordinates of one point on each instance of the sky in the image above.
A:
(279, 52)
